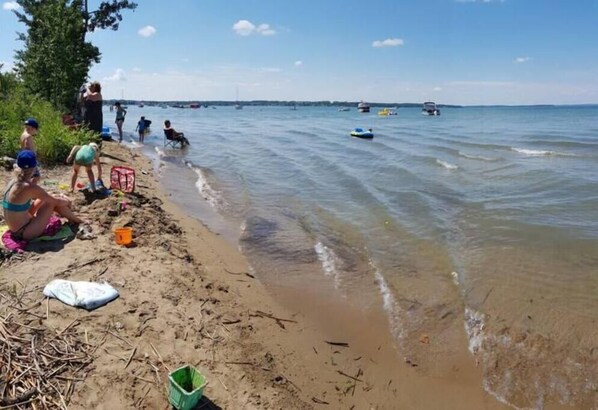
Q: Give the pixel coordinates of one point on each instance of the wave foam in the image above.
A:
(474, 328)
(540, 153)
(204, 188)
(446, 164)
(329, 261)
(455, 277)
(390, 305)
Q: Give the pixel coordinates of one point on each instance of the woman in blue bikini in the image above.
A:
(28, 207)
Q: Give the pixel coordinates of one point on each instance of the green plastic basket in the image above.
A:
(185, 387)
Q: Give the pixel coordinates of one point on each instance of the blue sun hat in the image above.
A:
(32, 122)
(26, 159)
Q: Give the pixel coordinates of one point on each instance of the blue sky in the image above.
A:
(448, 51)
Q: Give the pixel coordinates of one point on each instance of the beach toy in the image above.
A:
(64, 187)
(80, 185)
(123, 236)
(185, 387)
(122, 178)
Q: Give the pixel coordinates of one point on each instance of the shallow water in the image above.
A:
(492, 210)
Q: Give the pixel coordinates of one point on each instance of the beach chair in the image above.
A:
(170, 141)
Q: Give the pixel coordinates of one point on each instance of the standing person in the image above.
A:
(174, 135)
(94, 118)
(120, 119)
(86, 156)
(141, 126)
(30, 131)
(28, 143)
(28, 208)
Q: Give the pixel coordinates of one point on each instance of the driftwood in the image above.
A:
(278, 320)
(39, 366)
(341, 344)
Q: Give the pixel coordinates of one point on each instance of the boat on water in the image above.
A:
(360, 133)
(344, 109)
(194, 105)
(141, 104)
(430, 108)
(363, 107)
(387, 111)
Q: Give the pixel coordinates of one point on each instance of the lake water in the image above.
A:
(485, 215)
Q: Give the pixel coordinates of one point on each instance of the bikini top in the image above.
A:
(9, 206)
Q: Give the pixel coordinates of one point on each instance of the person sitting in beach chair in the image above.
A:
(172, 137)
(28, 208)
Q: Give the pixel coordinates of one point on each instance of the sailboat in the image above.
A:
(238, 105)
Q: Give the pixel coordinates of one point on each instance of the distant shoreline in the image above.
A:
(276, 103)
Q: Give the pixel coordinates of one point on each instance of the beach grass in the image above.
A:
(53, 141)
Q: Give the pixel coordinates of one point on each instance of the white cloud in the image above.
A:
(247, 28)
(265, 30)
(10, 5)
(147, 31)
(520, 60)
(437, 89)
(298, 63)
(243, 27)
(119, 75)
(389, 42)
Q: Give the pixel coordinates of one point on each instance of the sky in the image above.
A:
(466, 52)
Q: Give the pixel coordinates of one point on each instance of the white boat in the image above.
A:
(430, 108)
(363, 107)
(344, 109)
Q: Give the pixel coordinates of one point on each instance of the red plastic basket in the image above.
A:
(122, 178)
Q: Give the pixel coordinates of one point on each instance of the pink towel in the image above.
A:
(18, 245)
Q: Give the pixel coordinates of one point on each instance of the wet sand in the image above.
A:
(187, 297)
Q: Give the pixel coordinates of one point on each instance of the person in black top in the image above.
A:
(93, 116)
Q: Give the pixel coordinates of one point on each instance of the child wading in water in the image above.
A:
(85, 155)
(141, 127)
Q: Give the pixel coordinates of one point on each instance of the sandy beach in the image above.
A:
(187, 297)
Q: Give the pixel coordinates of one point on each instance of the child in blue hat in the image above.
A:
(28, 143)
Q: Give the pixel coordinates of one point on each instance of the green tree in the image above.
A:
(56, 58)
(108, 14)
(8, 82)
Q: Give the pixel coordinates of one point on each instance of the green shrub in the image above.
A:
(53, 141)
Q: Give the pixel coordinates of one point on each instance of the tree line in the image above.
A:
(49, 70)
(57, 57)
